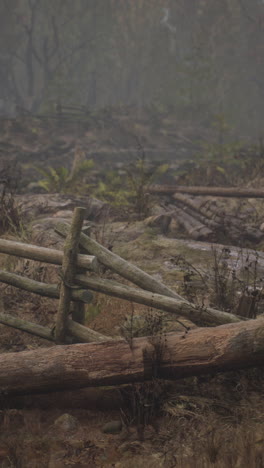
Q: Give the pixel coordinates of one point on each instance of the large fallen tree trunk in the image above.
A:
(234, 192)
(199, 315)
(227, 347)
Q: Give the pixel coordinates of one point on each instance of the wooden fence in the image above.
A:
(74, 286)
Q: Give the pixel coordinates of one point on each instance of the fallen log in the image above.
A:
(205, 316)
(119, 265)
(197, 208)
(195, 229)
(43, 254)
(42, 289)
(213, 215)
(200, 351)
(234, 192)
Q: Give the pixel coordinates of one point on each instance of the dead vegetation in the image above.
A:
(200, 422)
(10, 217)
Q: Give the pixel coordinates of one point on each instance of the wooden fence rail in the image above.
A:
(76, 286)
(43, 254)
(74, 293)
(115, 361)
(42, 289)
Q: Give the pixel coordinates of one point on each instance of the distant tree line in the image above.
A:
(196, 58)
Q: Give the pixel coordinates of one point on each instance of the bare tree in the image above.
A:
(47, 39)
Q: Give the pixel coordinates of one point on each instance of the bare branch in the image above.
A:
(55, 38)
(66, 57)
(245, 11)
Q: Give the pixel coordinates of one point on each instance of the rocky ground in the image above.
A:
(207, 421)
(210, 421)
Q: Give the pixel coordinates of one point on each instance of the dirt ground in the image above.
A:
(202, 422)
(210, 421)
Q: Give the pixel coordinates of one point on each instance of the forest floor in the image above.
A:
(208, 421)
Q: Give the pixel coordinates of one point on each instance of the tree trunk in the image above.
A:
(176, 355)
(234, 192)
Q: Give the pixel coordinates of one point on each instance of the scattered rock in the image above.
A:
(57, 460)
(161, 222)
(66, 422)
(134, 447)
(12, 417)
(112, 427)
(76, 444)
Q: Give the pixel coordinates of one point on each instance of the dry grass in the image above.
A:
(201, 422)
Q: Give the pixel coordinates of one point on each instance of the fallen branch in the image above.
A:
(200, 316)
(205, 191)
(203, 350)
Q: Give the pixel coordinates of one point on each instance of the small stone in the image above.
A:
(131, 446)
(13, 417)
(66, 422)
(112, 427)
(76, 444)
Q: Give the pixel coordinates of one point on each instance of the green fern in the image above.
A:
(63, 180)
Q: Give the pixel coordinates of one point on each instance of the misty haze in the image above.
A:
(131, 233)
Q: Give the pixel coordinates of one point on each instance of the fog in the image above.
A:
(194, 60)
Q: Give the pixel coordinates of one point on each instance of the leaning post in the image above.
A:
(78, 312)
(68, 273)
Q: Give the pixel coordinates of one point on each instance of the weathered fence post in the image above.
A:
(68, 273)
(78, 310)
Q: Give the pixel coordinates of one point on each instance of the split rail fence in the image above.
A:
(74, 286)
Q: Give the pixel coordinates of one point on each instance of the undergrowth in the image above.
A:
(223, 160)
(232, 283)
(11, 221)
(130, 186)
(64, 180)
